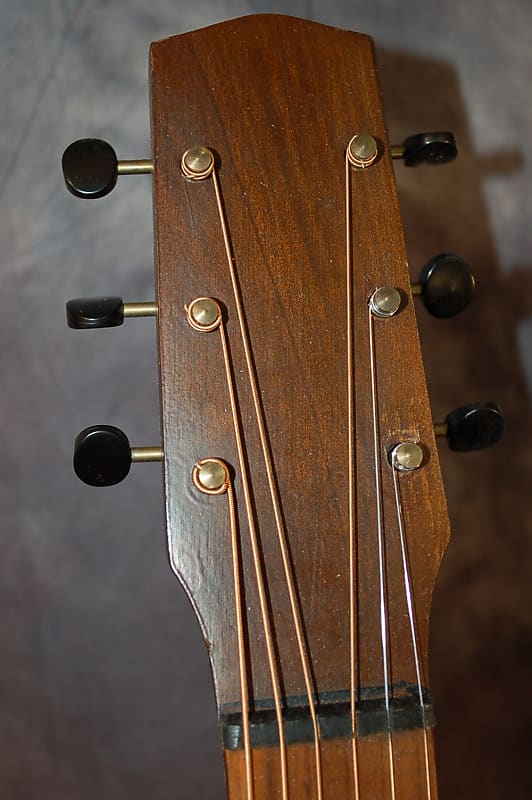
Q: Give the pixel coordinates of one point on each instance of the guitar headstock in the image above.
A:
(277, 101)
(304, 504)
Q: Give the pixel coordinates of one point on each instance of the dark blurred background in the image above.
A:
(104, 683)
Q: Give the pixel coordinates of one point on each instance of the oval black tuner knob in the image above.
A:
(91, 168)
(472, 427)
(104, 312)
(437, 147)
(446, 284)
(103, 456)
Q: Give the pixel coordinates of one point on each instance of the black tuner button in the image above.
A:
(473, 427)
(437, 147)
(446, 284)
(90, 168)
(102, 455)
(95, 312)
(104, 312)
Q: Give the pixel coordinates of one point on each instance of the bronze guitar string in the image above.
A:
(263, 602)
(259, 577)
(227, 488)
(276, 502)
(352, 475)
(381, 546)
(205, 160)
(207, 170)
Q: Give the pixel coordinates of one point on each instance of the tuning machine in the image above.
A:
(103, 455)
(446, 285)
(104, 312)
(472, 427)
(91, 168)
(436, 147)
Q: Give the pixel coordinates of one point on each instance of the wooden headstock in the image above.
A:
(277, 370)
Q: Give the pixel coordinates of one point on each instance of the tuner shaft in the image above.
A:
(397, 150)
(140, 166)
(139, 310)
(146, 454)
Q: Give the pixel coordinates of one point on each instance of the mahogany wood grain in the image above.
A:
(277, 99)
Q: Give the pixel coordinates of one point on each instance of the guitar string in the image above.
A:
(241, 644)
(412, 620)
(227, 488)
(263, 602)
(381, 548)
(352, 480)
(281, 534)
(382, 567)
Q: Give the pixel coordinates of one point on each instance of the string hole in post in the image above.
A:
(197, 163)
(204, 314)
(385, 301)
(407, 456)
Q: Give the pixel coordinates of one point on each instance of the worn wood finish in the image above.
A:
(278, 99)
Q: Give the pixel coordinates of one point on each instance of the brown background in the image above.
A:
(104, 686)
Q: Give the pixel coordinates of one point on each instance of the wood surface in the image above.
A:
(337, 769)
(277, 100)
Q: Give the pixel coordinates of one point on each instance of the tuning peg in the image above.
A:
(104, 312)
(437, 147)
(103, 456)
(91, 168)
(472, 427)
(446, 284)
